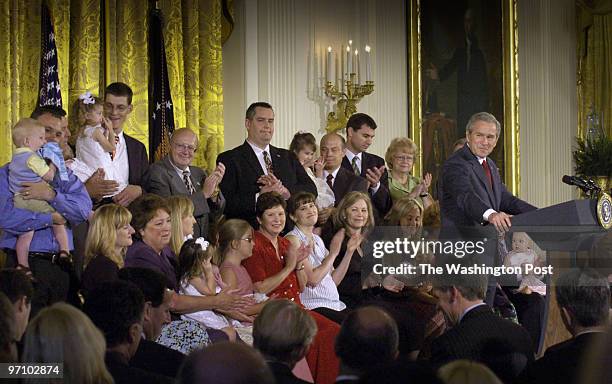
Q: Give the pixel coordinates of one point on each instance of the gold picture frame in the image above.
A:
(507, 155)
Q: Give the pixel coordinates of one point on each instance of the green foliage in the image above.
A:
(593, 158)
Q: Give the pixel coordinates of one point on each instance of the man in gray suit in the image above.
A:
(174, 175)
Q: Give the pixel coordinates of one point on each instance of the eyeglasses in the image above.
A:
(186, 147)
(404, 158)
(249, 239)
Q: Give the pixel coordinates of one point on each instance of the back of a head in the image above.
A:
(283, 331)
(467, 372)
(62, 333)
(225, 363)
(15, 284)
(586, 295)
(151, 283)
(114, 307)
(8, 352)
(368, 337)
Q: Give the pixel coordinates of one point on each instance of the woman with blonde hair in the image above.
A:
(182, 221)
(62, 333)
(400, 157)
(110, 233)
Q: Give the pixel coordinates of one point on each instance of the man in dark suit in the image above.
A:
(117, 308)
(130, 154)
(368, 339)
(478, 333)
(584, 301)
(472, 191)
(341, 181)
(151, 356)
(256, 167)
(360, 132)
(174, 175)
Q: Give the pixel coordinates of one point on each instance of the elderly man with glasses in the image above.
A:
(174, 175)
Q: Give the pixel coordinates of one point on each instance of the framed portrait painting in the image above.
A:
(463, 59)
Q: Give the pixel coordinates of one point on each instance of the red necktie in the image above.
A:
(330, 177)
(487, 172)
(113, 153)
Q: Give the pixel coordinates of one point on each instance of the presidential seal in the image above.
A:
(604, 210)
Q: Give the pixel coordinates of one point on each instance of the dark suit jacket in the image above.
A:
(466, 194)
(137, 160)
(562, 362)
(283, 374)
(381, 200)
(157, 358)
(122, 372)
(483, 336)
(162, 179)
(242, 170)
(347, 181)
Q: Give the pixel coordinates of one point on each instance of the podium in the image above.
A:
(568, 227)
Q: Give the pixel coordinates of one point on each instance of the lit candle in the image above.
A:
(368, 67)
(357, 66)
(330, 75)
(349, 61)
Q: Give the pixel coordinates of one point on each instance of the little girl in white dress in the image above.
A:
(199, 277)
(96, 145)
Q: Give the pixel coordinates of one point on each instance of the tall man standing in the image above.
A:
(472, 191)
(360, 132)
(174, 175)
(130, 156)
(257, 167)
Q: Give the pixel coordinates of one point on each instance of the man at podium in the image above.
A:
(472, 191)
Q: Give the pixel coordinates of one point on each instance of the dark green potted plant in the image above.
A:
(593, 159)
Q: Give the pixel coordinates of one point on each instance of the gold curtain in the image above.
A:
(594, 62)
(77, 35)
(192, 34)
(192, 37)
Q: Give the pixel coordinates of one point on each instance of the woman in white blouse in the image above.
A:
(321, 292)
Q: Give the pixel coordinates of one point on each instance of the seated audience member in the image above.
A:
(304, 147)
(18, 288)
(151, 221)
(150, 355)
(583, 296)
(400, 157)
(368, 339)
(68, 197)
(467, 372)
(62, 333)
(478, 334)
(109, 236)
(117, 309)
(597, 361)
(210, 366)
(182, 221)
(276, 268)
(340, 180)
(199, 277)
(321, 292)
(175, 176)
(256, 167)
(360, 132)
(283, 333)
(8, 331)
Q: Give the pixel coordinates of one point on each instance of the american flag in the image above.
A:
(48, 80)
(161, 111)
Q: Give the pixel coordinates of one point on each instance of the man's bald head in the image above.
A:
(368, 336)
(225, 363)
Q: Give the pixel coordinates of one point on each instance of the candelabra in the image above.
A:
(350, 90)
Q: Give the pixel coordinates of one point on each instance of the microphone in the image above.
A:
(585, 185)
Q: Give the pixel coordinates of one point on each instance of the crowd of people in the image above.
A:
(260, 271)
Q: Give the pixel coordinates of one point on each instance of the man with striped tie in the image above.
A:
(174, 175)
(256, 167)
